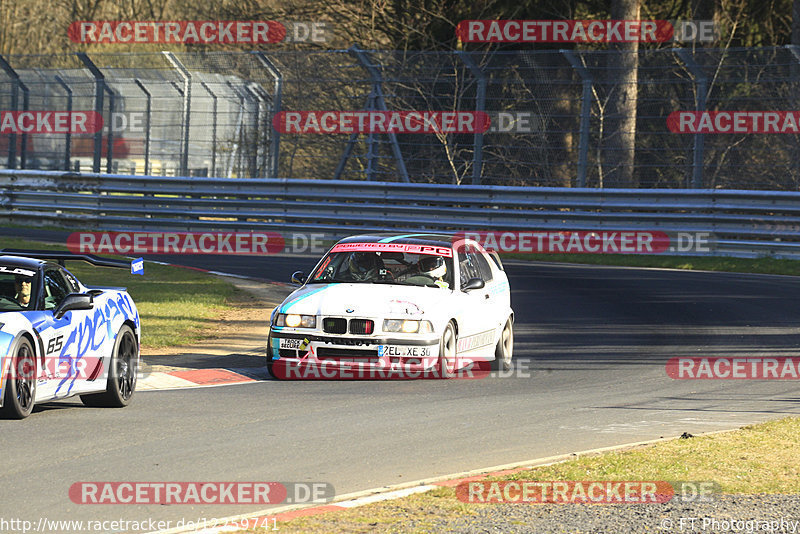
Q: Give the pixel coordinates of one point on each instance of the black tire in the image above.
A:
(504, 350)
(270, 369)
(122, 373)
(447, 352)
(20, 382)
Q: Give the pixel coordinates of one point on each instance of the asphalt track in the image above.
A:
(591, 347)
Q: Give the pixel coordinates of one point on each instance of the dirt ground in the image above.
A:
(236, 339)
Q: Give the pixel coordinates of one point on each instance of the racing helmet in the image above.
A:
(361, 265)
(432, 266)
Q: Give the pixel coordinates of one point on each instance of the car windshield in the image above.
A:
(17, 285)
(385, 267)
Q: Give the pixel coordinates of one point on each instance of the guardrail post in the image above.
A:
(701, 81)
(275, 135)
(68, 135)
(377, 82)
(187, 104)
(213, 128)
(480, 106)
(148, 115)
(586, 110)
(99, 91)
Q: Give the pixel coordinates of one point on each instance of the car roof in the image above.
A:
(438, 240)
(21, 261)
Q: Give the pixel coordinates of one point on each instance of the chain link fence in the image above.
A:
(558, 118)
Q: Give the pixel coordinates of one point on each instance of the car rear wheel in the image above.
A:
(20, 382)
(446, 366)
(504, 350)
(124, 366)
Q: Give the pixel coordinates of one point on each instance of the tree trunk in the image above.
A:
(622, 75)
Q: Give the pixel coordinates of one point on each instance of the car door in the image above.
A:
(70, 354)
(472, 303)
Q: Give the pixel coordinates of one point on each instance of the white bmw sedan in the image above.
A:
(395, 306)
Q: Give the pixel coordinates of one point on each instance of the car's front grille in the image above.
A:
(361, 326)
(333, 353)
(334, 325)
(287, 353)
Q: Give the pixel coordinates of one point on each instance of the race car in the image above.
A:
(383, 306)
(60, 338)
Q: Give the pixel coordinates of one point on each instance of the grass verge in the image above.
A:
(176, 306)
(736, 265)
(760, 458)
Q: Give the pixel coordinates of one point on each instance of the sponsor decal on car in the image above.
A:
(475, 341)
(394, 247)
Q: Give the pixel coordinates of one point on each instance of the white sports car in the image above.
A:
(386, 306)
(59, 338)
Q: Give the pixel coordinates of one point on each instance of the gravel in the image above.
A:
(728, 513)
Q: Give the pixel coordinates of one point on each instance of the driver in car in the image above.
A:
(431, 269)
(22, 285)
(362, 266)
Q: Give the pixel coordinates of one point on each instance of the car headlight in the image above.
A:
(293, 320)
(407, 326)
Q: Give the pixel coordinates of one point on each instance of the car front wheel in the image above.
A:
(447, 352)
(124, 366)
(20, 383)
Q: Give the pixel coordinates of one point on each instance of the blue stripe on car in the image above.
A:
(288, 305)
(390, 239)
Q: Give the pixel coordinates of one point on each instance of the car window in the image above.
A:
(71, 281)
(56, 288)
(468, 267)
(18, 287)
(483, 265)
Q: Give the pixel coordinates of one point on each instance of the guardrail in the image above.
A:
(745, 223)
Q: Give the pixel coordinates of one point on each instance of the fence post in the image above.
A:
(148, 114)
(187, 104)
(19, 85)
(275, 135)
(377, 81)
(253, 165)
(702, 89)
(480, 106)
(99, 90)
(213, 129)
(68, 138)
(586, 110)
(110, 136)
(239, 130)
(263, 96)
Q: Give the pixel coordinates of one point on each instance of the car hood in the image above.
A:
(365, 300)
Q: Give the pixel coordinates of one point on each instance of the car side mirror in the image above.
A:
(74, 301)
(299, 277)
(473, 283)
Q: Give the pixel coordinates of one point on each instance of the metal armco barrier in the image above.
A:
(745, 223)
